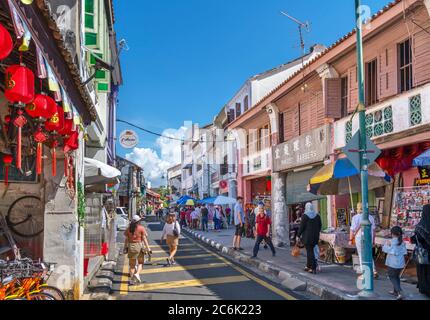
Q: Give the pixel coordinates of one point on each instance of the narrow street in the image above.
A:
(200, 274)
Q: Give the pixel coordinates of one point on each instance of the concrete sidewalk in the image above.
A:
(334, 282)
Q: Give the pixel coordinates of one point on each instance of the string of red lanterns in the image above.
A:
(50, 118)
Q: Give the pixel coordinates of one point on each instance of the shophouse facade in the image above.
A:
(310, 112)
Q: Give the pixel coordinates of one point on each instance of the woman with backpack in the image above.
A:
(171, 232)
(422, 251)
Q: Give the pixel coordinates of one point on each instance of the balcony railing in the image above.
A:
(408, 110)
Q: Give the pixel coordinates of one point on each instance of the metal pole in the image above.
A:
(367, 243)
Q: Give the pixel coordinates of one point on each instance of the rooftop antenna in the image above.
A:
(301, 25)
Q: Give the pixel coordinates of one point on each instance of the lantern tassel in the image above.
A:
(6, 175)
(39, 159)
(54, 162)
(66, 166)
(18, 151)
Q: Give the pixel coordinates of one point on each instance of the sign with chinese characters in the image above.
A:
(128, 139)
(306, 149)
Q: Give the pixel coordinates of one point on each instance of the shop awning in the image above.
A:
(97, 172)
(422, 160)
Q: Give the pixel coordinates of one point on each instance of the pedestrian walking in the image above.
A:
(228, 216)
(183, 217)
(422, 241)
(262, 232)
(395, 261)
(135, 244)
(309, 232)
(239, 217)
(171, 233)
(205, 214)
(356, 236)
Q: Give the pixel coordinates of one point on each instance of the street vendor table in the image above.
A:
(336, 239)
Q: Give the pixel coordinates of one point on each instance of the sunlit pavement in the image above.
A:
(200, 274)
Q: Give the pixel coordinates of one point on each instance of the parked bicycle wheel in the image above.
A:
(55, 292)
(40, 296)
(25, 216)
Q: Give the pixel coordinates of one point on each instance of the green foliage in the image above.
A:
(81, 204)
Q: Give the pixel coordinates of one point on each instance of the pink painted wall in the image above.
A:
(409, 177)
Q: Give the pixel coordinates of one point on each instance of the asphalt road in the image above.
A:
(200, 274)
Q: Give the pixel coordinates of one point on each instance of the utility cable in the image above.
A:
(162, 135)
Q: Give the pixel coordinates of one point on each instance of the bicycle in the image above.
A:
(26, 280)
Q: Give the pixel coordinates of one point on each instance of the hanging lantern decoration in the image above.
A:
(43, 106)
(40, 138)
(6, 122)
(6, 43)
(7, 160)
(56, 122)
(20, 121)
(71, 143)
(269, 184)
(54, 157)
(68, 128)
(27, 1)
(19, 84)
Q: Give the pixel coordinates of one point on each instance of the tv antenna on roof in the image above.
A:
(307, 27)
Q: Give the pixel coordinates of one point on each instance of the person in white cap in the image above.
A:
(135, 243)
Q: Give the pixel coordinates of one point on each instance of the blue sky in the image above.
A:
(187, 58)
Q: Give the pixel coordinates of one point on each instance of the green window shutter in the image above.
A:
(102, 87)
(89, 21)
(90, 38)
(89, 6)
(101, 74)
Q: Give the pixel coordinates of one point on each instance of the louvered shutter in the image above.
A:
(332, 98)
(353, 89)
(421, 65)
(388, 72)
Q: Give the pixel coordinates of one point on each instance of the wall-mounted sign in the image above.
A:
(128, 139)
(306, 149)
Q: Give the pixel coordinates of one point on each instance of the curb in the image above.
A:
(287, 279)
(102, 282)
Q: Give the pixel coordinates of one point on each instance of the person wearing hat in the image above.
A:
(171, 232)
(135, 243)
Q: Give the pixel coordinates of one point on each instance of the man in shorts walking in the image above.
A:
(239, 218)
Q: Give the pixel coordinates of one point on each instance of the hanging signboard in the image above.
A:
(128, 139)
(309, 148)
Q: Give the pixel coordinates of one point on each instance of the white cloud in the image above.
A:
(154, 164)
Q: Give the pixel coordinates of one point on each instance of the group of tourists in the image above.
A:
(137, 245)
(309, 234)
(200, 217)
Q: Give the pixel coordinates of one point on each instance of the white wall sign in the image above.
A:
(128, 139)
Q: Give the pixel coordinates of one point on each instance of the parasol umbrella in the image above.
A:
(222, 200)
(422, 160)
(341, 177)
(209, 200)
(183, 200)
(190, 202)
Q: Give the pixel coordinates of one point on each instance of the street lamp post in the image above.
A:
(367, 260)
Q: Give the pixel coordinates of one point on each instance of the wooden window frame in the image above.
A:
(238, 109)
(245, 104)
(371, 83)
(344, 95)
(403, 66)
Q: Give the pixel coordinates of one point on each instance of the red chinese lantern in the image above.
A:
(71, 143)
(40, 138)
(19, 84)
(68, 128)
(7, 160)
(43, 106)
(6, 43)
(56, 122)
